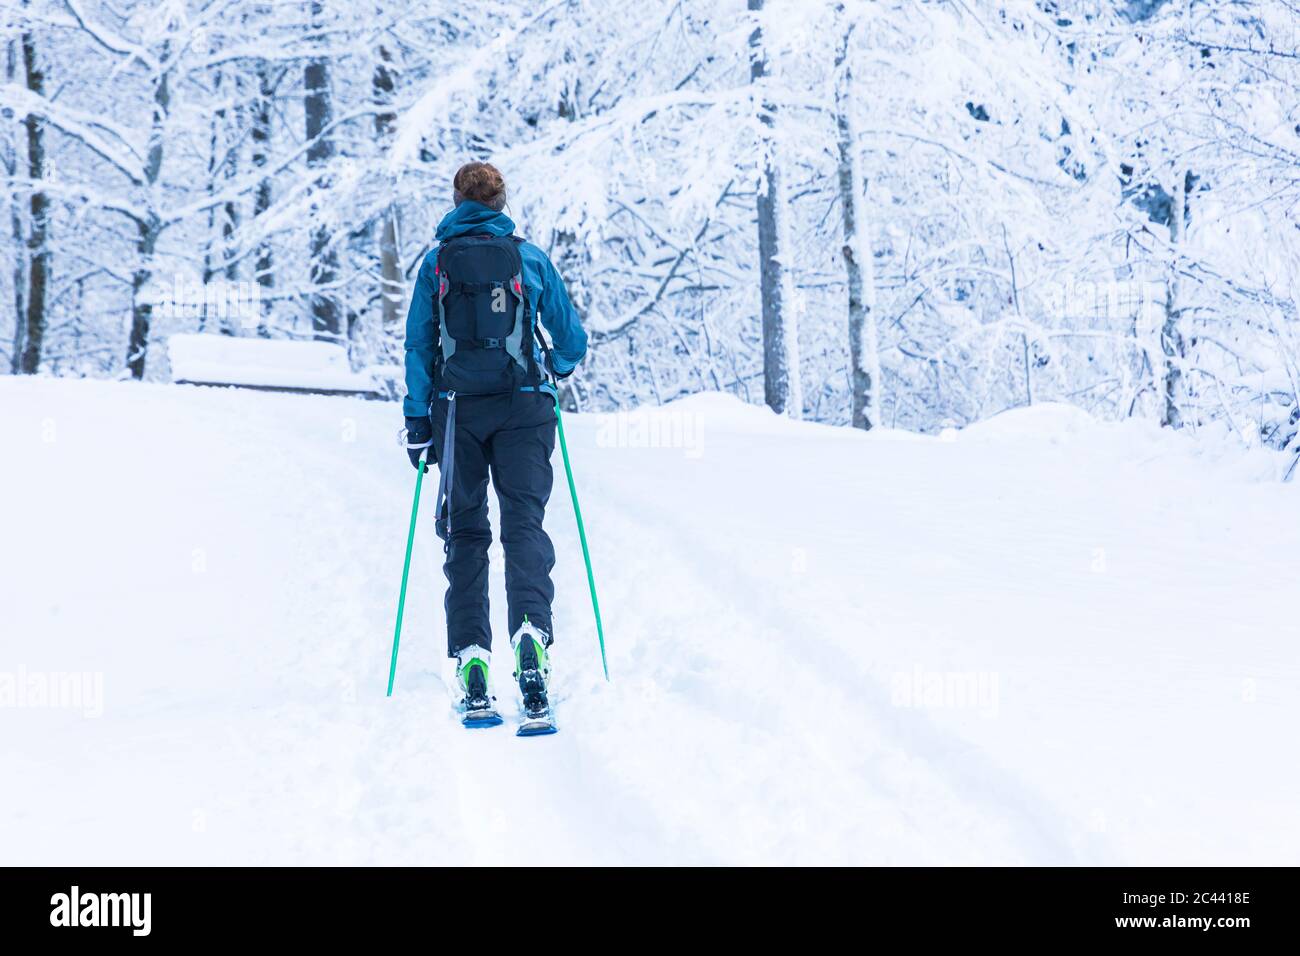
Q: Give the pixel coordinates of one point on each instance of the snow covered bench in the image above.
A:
(278, 365)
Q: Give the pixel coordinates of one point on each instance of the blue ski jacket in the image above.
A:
(542, 283)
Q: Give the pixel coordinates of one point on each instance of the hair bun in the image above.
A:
(482, 183)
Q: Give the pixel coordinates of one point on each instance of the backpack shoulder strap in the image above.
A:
(514, 343)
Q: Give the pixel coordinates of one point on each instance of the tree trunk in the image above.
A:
(319, 110)
(780, 365)
(859, 265)
(1171, 336)
(392, 288)
(38, 248)
(149, 228)
(12, 165)
(214, 151)
(137, 347)
(218, 258)
(20, 283)
(261, 137)
(235, 305)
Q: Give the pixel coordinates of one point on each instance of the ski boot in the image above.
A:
(477, 706)
(533, 671)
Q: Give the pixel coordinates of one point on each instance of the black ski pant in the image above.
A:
(511, 437)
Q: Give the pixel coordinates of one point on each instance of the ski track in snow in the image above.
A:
(229, 561)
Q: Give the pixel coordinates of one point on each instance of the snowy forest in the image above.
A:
(906, 213)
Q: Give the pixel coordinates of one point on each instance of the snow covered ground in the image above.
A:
(1041, 640)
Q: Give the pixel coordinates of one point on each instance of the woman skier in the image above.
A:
(480, 401)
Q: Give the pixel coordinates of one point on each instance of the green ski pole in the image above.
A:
(406, 570)
(573, 493)
(582, 534)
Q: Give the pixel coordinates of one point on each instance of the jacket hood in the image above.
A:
(474, 218)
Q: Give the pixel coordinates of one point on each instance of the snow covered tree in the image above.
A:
(318, 108)
(859, 260)
(781, 387)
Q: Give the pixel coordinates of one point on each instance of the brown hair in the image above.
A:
(480, 182)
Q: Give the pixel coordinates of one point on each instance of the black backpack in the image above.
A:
(485, 322)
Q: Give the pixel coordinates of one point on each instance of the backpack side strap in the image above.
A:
(448, 343)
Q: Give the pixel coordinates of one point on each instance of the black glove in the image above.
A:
(419, 436)
(550, 369)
